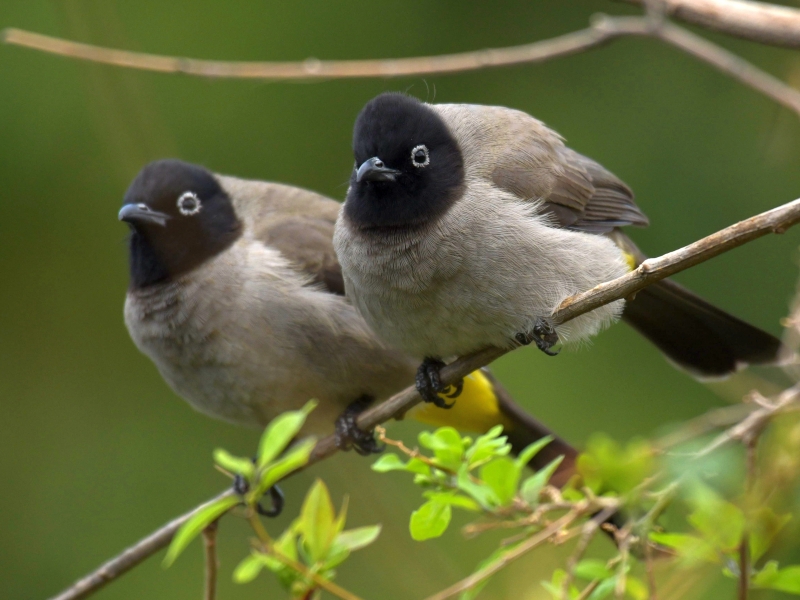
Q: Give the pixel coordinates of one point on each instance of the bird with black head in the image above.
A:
(465, 226)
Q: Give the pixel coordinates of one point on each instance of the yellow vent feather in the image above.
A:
(476, 409)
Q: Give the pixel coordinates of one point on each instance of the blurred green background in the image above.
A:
(96, 451)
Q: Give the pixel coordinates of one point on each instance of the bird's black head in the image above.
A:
(409, 168)
(179, 217)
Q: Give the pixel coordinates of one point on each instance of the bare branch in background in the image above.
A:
(604, 29)
(776, 220)
(755, 21)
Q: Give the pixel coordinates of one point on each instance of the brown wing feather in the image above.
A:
(308, 243)
(523, 156)
(298, 223)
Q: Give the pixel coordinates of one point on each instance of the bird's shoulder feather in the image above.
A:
(298, 223)
(521, 155)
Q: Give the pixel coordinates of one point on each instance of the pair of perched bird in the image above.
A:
(464, 227)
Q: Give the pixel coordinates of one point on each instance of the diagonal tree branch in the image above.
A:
(756, 21)
(603, 29)
(776, 220)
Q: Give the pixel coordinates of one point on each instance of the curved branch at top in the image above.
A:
(313, 68)
(755, 21)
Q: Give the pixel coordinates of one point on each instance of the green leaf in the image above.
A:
(719, 522)
(195, 525)
(532, 450)
(446, 445)
(453, 499)
(317, 524)
(294, 459)
(430, 520)
(592, 568)
(554, 586)
(248, 569)
(608, 466)
(502, 475)
(490, 444)
(338, 524)
(533, 485)
(355, 539)
(286, 544)
(415, 465)
(764, 525)
(784, 580)
(481, 492)
(636, 588)
(234, 464)
(337, 554)
(692, 548)
(388, 462)
(281, 431)
(604, 590)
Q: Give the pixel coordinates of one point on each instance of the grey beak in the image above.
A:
(141, 213)
(374, 170)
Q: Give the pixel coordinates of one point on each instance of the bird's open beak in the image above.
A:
(374, 170)
(141, 213)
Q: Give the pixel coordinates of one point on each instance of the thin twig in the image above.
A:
(776, 220)
(755, 422)
(210, 539)
(502, 561)
(624, 545)
(603, 30)
(751, 446)
(705, 423)
(651, 270)
(756, 21)
(587, 591)
(649, 564)
(590, 528)
(266, 543)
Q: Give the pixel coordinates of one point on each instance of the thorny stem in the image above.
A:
(210, 539)
(266, 547)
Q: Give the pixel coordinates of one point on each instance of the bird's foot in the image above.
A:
(241, 487)
(349, 435)
(543, 335)
(429, 384)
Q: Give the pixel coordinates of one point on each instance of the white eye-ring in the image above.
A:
(420, 157)
(189, 204)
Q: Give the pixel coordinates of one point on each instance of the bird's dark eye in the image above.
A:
(189, 204)
(420, 157)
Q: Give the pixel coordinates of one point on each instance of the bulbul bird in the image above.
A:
(465, 226)
(237, 297)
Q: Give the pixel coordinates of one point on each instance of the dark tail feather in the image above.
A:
(696, 335)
